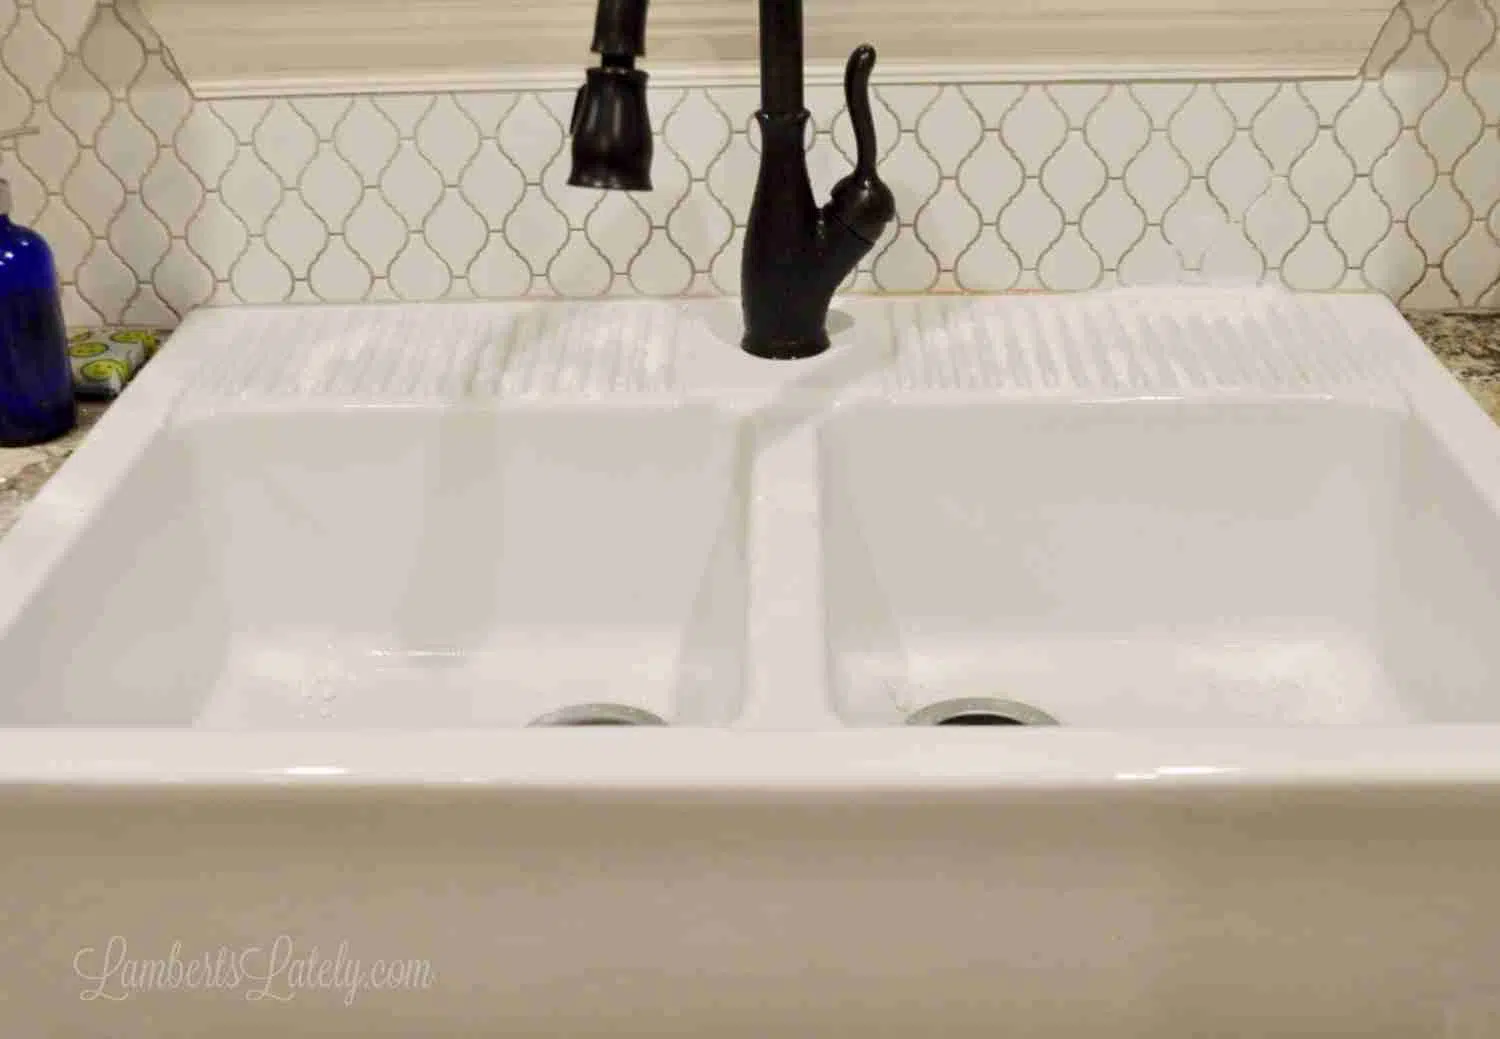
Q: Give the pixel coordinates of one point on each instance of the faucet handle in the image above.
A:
(857, 97)
(861, 201)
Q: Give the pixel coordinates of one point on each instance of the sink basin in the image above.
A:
(399, 567)
(272, 644)
(1157, 563)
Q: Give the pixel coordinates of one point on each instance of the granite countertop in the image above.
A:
(1467, 342)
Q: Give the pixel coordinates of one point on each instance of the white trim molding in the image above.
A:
(277, 47)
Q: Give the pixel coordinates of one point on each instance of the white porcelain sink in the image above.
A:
(399, 567)
(272, 641)
(1159, 563)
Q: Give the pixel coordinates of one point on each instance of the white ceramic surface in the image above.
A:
(271, 637)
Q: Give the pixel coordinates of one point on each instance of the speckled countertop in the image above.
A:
(1468, 343)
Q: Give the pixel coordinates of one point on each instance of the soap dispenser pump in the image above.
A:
(36, 379)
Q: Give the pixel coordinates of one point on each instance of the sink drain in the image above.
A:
(590, 714)
(980, 710)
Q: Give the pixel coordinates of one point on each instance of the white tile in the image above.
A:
(1113, 223)
(138, 237)
(160, 99)
(411, 185)
(992, 100)
(419, 273)
(323, 114)
(907, 102)
(375, 232)
(498, 271)
(1150, 261)
(296, 235)
(1073, 176)
(339, 275)
(1117, 130)
(1070, 265)
(988, 265)
(1367, 126)
(1315, 264)
(93, 192)
(1404, 174)
(1450, 127)
(1439, 219)
(1192, 224)
(1470, 266)
(991, 176)
(661, 269)
(31, 53)
(1034, 129)
(78, 100)
(455, 231)
(487, 109)
(579, 271)
(111, 51)
(206, 144)
(948, 225)
(493, 185)
(1359, 220)
(448, 139)
(700, 227)
(181, 279)
(405, 111)
(1460, 31)
(66, 18)
(331, 187)
(905, 264)
(105, 281)
(620, 230)
(51, 152)
(69, 237)
(732, 177)
(1285, 128)
(1239, 176)
(172, 192)
(1395, 264)
(251, 189)
(1030, 224)
(1276, 222)
(697, 132)
(537, 229)
(126, 146)
(950, 130)
(366, 139)
(1077, 100)
(1156, 176)
(286, 142)
(259, 276)
(1201, 129)
(531, 136)
(1321, 175)
(1475, 174)
(911, 174)
(217, 236)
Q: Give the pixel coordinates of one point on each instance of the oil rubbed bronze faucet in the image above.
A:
(796, 254)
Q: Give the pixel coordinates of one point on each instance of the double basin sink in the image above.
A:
(277, 641)
(545, 510)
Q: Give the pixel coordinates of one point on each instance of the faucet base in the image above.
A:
(785, 349)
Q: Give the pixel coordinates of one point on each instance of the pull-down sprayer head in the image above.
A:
(611, 125)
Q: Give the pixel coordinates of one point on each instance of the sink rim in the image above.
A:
(765, 759)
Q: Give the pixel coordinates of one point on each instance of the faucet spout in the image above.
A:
(797, 254)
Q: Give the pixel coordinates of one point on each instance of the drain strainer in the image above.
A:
(980, 710)
(588, 714)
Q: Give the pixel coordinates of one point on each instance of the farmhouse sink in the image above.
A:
(298, 645)
(1160, 563)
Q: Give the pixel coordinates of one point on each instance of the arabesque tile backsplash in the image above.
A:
(156, 202)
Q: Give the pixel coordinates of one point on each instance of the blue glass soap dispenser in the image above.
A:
(36, 379)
